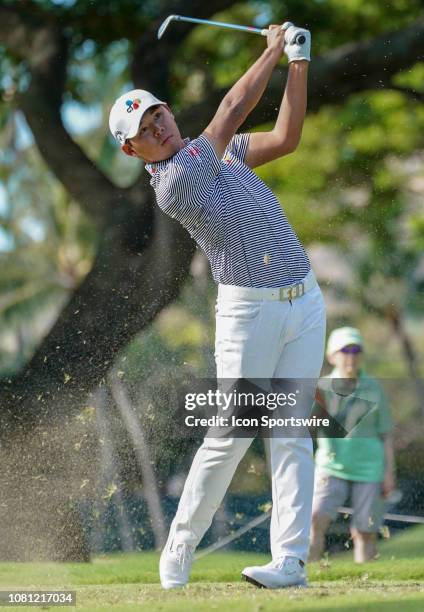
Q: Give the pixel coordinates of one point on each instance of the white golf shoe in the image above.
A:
(283, 572)
(175, 564)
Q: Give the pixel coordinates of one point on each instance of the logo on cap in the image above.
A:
(132, 104)
(119, 136)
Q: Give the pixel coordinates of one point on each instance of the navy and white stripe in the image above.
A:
(230, 212)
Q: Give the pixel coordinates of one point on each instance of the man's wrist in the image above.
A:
(299, 64)
(273, 54)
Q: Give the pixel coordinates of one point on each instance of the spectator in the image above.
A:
(359, 462)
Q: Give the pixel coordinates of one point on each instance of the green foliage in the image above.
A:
(52, 247)
(350, 178)
(101, 21)
(335, 22)
(412, 78)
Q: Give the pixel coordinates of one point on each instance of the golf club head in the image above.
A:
(165, 24)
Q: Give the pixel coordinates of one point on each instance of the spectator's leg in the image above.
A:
(368, 510)
(364, 546)
(320, 524)
(329, 493)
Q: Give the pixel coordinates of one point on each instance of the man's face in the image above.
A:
(158, 136)
(347, 360)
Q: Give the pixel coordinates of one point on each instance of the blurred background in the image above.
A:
(106, 305)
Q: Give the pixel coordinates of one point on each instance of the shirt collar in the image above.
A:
(155, 167)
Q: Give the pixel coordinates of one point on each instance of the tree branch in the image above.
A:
(150, 70)
(365, 65)
(44, 46)
(332, 78)
(122, 293)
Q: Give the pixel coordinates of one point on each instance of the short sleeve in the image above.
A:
(187, 183)
(384, 418)
(238, 146)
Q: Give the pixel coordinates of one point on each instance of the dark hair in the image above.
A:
(152, 109)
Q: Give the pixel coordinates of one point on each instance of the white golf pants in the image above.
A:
(260, 339)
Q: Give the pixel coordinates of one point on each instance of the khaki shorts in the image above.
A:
(366, 499)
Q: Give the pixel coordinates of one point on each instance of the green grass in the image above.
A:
(121, 582)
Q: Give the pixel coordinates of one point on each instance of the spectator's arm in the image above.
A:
(389, 482)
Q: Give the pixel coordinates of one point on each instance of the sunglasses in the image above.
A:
(351, 350)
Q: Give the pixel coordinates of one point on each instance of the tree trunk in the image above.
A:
(141, 447)
(395, 319)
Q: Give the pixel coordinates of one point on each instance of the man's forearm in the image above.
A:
(389, 454)
(292, 111)
(248, 90)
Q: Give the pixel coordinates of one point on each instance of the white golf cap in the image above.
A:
(127, 111)
(343, 336)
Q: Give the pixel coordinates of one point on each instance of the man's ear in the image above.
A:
(172, 114)
(128, 150)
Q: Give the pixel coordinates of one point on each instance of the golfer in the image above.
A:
(360, 464)
(270, 314)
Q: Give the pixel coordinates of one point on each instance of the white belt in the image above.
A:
(266, 293)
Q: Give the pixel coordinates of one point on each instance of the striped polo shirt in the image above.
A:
(231, 214)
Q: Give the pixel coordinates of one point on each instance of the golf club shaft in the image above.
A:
(299, 39)
(221, 24)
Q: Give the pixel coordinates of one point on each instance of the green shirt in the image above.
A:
(365, 415)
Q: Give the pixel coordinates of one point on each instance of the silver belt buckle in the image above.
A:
(290, 293)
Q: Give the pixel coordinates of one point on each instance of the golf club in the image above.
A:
(300, 39)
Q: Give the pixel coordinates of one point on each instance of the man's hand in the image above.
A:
(275, 39)
(294, 50)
